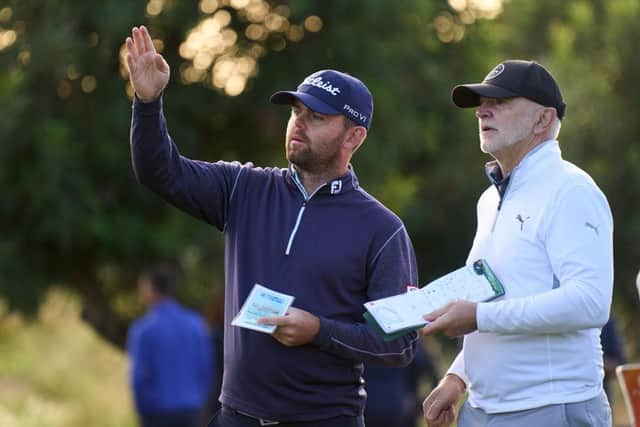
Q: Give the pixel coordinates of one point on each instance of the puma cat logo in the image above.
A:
(522, 220)
(593, 227)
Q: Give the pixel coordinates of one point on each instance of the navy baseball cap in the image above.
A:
(332, 92)
(513, 78)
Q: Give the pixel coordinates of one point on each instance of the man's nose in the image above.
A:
(483, 110)
(300, 119)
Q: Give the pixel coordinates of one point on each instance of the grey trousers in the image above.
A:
(594, 412)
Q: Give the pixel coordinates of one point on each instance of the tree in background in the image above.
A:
(72, 215)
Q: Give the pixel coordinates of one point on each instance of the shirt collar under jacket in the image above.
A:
(494, 173)
(338, 185)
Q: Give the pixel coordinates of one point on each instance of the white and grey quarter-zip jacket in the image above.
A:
(551, 245)
(332, 250)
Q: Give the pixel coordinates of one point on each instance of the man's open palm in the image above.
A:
(148, 71)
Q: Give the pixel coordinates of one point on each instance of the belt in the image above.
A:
(262, 421)
(337, 421)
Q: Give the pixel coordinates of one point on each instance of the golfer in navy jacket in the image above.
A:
(308, 230)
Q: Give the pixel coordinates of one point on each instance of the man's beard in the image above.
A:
(308, 160)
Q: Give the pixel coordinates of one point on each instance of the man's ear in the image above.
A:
(355, 137)
(545, 120)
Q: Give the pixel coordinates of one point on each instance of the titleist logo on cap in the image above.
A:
(319, 83)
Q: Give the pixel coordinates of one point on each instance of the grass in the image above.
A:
(55, 371)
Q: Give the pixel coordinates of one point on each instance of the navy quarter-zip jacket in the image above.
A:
(332, 250)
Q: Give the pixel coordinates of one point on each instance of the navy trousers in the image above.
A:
(184, 418)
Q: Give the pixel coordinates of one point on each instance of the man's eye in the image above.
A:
(317, 116)
(500, 101)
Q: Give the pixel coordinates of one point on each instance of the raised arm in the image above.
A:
(201, 189)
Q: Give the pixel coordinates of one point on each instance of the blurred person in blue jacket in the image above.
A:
(171, 355)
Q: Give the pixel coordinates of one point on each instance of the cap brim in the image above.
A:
(465, 96)
(287, 98)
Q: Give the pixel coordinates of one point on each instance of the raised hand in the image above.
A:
(148, 71)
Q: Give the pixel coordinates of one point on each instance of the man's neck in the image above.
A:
(157, 300)
(312, 181)
(511, 156)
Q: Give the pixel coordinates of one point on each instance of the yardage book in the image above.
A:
(394, 316)
(262, 302)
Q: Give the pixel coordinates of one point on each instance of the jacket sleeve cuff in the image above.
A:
(147, 108)
(323, 338)
(484, 322)
(457, 368)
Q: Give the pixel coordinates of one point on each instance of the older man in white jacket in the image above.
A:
(532, 357)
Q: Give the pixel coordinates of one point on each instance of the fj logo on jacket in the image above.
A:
(336, 186)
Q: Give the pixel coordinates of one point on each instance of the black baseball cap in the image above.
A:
(332, 92)
(513, 78)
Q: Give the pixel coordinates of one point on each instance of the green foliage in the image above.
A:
(71, 208)
(71, 212)
(57, 372)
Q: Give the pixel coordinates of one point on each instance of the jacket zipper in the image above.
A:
(495, 219)
(299, 219)
(502, 196)
(295, 227)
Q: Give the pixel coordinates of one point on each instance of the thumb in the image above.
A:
(435, 314)
(431, 413)
(435, 409)
(272, 320)
(439, 312)
(161, 64)
(131, 64)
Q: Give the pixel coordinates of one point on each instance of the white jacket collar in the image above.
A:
(532, 164)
